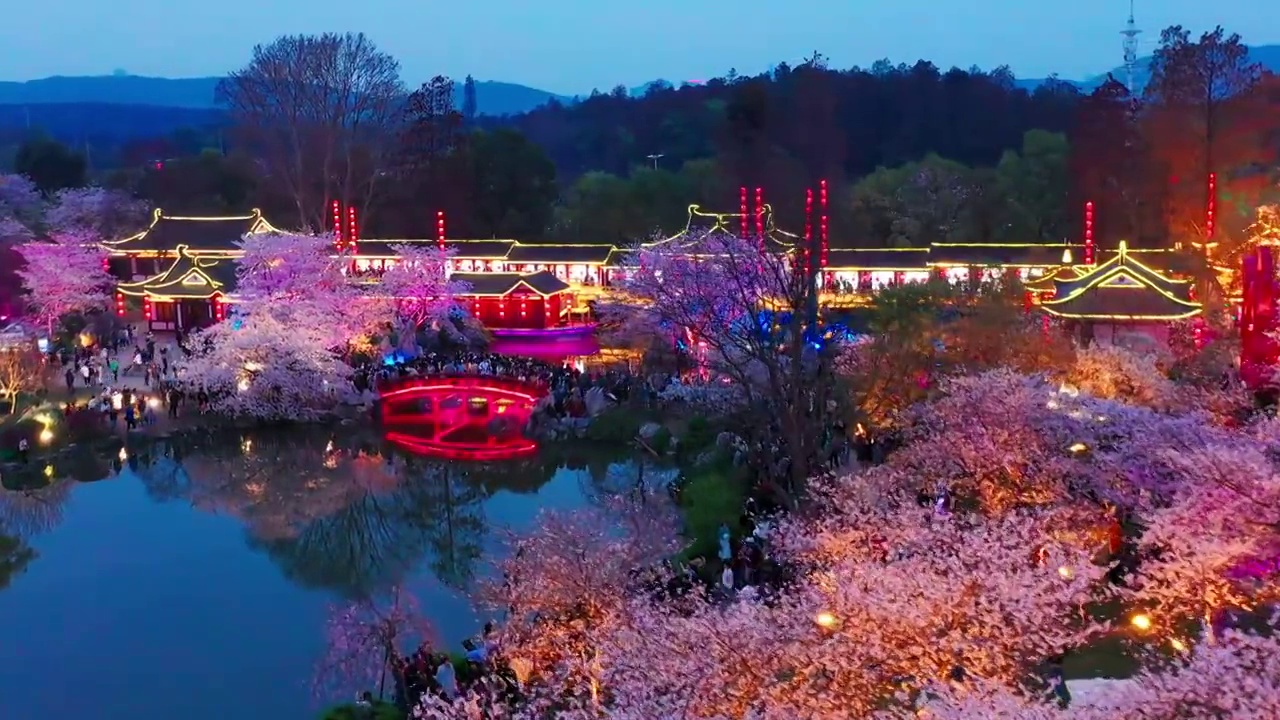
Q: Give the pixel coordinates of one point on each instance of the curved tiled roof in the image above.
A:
(189, 276)
(199, 234)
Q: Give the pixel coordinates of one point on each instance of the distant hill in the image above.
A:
(492, 97)
(1267, 55)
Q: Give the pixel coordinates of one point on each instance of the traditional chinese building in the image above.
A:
(1121, 296)
(152, 251)
(191, 293)
(544, 285)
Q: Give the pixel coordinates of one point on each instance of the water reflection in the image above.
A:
(211, 557)
(340, 514)
(28, 509)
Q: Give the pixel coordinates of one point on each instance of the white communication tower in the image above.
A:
(1130, 34)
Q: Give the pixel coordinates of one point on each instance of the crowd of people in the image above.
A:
(428, 671)
(112, 369)
(566, 384)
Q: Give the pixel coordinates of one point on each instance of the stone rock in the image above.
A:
(649, 430)
(596, 401)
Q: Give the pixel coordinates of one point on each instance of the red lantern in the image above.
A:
(440, 229)
(119, 304)
(146, 308)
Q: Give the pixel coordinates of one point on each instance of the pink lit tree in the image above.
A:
(263, 367)
(738, 305)
(298, 280)
(66, 274)
(419, 286)
(364, 638)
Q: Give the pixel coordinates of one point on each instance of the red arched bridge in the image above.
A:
(460, 417)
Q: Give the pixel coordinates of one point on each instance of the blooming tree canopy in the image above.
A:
(298, 280)
(418, 284)
(108, 214)
(363, 637)
(741, 311)
(21, 207)
(264, 367)
(65, 274)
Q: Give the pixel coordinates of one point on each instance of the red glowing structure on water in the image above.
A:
(469, 417)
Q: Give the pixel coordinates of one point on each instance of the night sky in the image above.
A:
(572, 46)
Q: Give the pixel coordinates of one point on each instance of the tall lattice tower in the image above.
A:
(1130, 34)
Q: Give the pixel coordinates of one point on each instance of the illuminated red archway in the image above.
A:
(471, 417)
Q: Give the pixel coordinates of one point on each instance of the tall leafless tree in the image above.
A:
(321, 110)
(1198, 108)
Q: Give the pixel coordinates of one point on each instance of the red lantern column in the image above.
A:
(742, 209)
(1088, 233)
(808, 230)
(1211, 207)
(440, 229)
(336, 207)
(353, 231)
(822, 228)
(759, 210)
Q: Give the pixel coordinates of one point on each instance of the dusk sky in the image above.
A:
(572, 46)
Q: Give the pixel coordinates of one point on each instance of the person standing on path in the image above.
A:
(85, 373)
(70, 377)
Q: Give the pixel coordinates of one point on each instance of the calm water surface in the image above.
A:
(192, 580)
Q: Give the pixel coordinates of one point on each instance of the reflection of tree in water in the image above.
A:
(15, 555)
(455, 497)
(33, 510)
(336, 516)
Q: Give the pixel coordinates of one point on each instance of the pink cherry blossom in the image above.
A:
(65, 274)
(362, 640)
(107, 214)
(419, 284)
(262, 367)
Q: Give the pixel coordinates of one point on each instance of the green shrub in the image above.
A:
(661, 440)
(710, 498)
(698, 437)
(615, 425)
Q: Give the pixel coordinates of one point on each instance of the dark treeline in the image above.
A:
(912, 154)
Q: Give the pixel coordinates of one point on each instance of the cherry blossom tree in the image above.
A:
(564, 584)
(298, 279)
(21, 207)
(364, 638)
(419, 286)
(1115, 373)
(106, 214)
(740, 309)
(66, 274)
(1236, 679)
(263, 367)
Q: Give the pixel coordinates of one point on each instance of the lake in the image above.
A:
(190, 579)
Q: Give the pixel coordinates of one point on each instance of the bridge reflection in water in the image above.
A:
(467, 417)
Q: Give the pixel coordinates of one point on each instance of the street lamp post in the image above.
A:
(655, 157)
